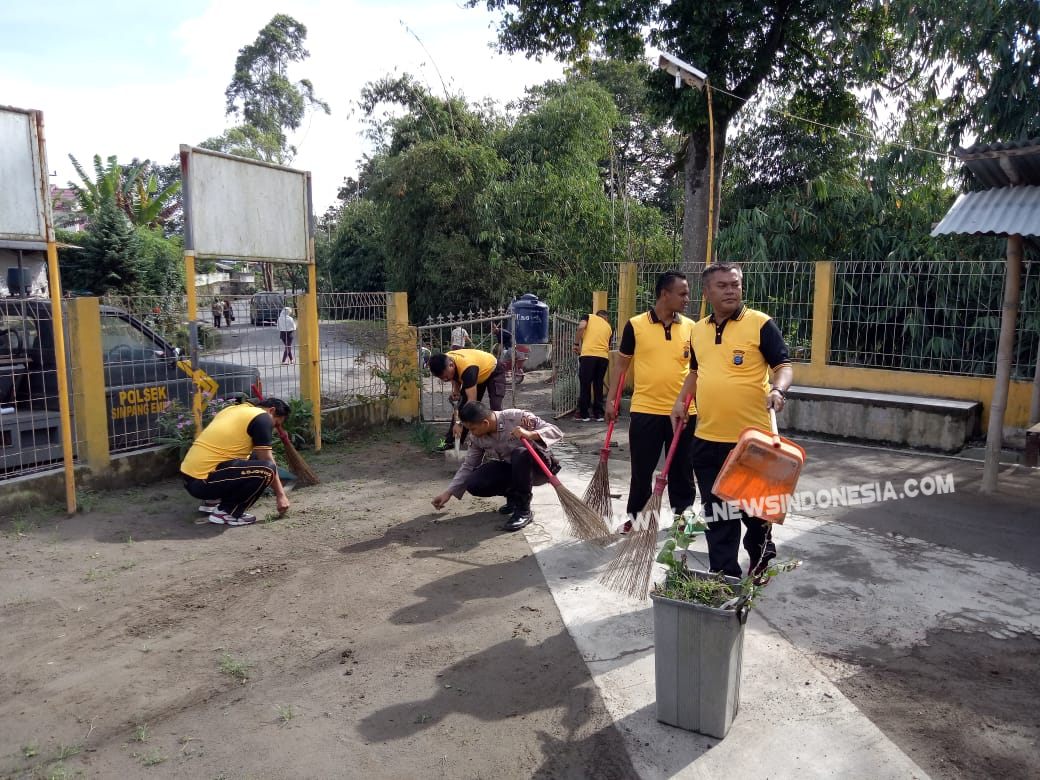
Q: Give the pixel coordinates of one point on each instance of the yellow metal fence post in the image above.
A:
(823, 304)
(626, 306)
(310, 357)
(403, 358)
(88, 383)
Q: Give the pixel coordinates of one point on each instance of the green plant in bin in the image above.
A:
(681, 584)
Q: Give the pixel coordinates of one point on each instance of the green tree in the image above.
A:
(355, 259)
(978, 62)
(744, 47)
(134, 189)
(108, 260)
(262, 95)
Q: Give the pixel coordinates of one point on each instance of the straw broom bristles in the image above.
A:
(629, 572)
(597, 494)
(584, 523)
(305, 477)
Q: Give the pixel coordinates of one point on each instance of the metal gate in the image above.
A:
(565, 363)
(436, 336)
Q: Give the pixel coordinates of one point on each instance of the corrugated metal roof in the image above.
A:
(1003, 165)
(997, 212)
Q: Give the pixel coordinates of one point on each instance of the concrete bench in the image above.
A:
(940, 424)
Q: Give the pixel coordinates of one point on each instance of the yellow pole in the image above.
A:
(313, 366)
(54, 282)
(54, 285)
(823, 304)
(88, 383)
(626, 306)
(711, 190)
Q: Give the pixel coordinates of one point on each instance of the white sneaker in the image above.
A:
(210, 508)
(223, 518)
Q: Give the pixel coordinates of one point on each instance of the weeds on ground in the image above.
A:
(67, 751)
(22, 526)
(234, 667)
(286, 712)
(426, 438)
(140, 733)
(153, 757)
(31, 750)
(86, 500)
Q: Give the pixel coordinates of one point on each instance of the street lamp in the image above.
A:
(685, 73)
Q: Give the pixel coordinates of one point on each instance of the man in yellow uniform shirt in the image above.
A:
(734, 350)
(656, 344)
(472, 372)
(592, 345)
(232, 461)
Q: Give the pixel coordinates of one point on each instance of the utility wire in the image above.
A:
(826, 126)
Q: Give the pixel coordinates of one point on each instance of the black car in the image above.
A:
(143, 372)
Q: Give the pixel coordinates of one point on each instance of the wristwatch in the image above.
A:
(783, 393)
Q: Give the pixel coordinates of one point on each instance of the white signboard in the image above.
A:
(237, 208)
(22, 208)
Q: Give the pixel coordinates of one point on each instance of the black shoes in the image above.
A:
(520, 518)
(507, 508)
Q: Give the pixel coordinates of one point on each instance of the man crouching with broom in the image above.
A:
(231, 462)
(509, 470)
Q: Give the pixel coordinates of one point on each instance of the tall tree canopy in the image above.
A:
(261, 93)
(783, 44)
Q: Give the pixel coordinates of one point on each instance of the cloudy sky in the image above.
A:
(137, 79)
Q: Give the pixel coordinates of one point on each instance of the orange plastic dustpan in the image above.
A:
(761, 473)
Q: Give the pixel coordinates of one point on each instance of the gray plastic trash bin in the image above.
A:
(698, 655)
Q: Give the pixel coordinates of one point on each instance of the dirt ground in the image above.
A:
(365, 634)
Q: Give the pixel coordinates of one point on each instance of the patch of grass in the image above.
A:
(59, 772)
(286, 712)
(235, 667)
(140, 733)
(426, 438)
(31, 750)
(153, 758)
(86, 500)
(22, 526)
(68, 751)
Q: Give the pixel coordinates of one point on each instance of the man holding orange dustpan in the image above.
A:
(735, 349)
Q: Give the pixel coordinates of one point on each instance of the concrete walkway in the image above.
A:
(859, 590)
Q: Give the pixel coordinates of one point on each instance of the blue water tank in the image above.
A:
(532, 320)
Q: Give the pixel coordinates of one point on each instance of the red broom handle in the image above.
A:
(548, 474)
(604, 452)
(662, 478)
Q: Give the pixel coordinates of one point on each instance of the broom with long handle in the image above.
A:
(305, 477)
(597, 494)
(585, 524)
(629, 572)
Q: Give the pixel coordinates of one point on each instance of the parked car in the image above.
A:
(264, 308)
(141, 371)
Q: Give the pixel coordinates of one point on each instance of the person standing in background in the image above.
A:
(286, 331)
(592, 345)
(460, 337)
(218, 311)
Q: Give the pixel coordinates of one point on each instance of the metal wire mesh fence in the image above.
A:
(935, 317)
(353, 347)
